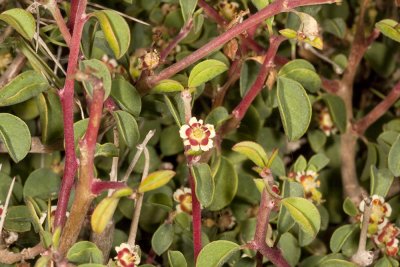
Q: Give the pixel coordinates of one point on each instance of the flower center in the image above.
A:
(186, 203)
(198, 133)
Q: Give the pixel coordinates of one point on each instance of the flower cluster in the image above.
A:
(325, 122)
(184, 198)
(127, 256)
(197, 135)
(381, 231)
(309, 181)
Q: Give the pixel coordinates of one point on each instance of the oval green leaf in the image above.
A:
(126, 96)
(205, 71)
(116, 31)
(162, 238)
(17, 145)
(340, 236)
(216, 253)
(98, 69)
(18, 219)
(337, 110)
(394, 157)
(21, 20)
(294, 107)
(176, 259)
(253, 151)
(204, 183)
(304, 213)
(103, 213)
(389, 28)
(127, 128)
(303, 72)
(349, 207)
(167, 86)
(23, 87)
(187, 8)
(42, 183)
(84, 252)
(155, 180)
(381, 181)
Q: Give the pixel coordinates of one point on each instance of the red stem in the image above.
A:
(378, 111)
(196, 213)
(255, 89)
(99, 186)
(73, 15)
(271, 10)
(67, 101)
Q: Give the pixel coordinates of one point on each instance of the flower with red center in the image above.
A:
(379, 214)
(325, 122)
(310, 184)
(184, 198)
(127, 256)
(392, 248)
(197, 135)
(387, 234)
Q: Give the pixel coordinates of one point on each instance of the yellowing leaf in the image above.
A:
(21, 20)
(167, 86)
(253, 151)
(155, 180)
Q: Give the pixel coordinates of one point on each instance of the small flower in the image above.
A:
(184, 198)
(196, 135)
(226, 220)
(325, 122)
(379, 214)
(310, 184)
(151, 60)
(387, 234)
(392, 248)
(127, 256)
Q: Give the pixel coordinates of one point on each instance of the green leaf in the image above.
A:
(18, 145)
(216, 253)
(349, 207)
(204, 183)
(386, 262)
(389, 28)
(381, 181)
(155, 180)
(187, 8)
(23, 87)
(167, 86)
(300, 164)
(51, 118)
(294, 107)
(127, 128)
(337, 263)
(303, 72)
(98, 69)
(340, 236)
(126, 96)
(260, 4)
(162, 238)
(18, 219)
(217, 117)
(304, 213)
(84, 252)
(176, 259)
(394, 157)
(116, 31)
(290, 248)
(5, 183)
(205, 71)
(337, 110)
(336, 26)
(248, 75)
(372, 159)
(253, 151)
(288, 33)
(42, 183)
(318, 161)
(226, 184)
(289, 189)
(170, 141)
(80, 130)
(106, 150)
(103, 214)
(21, 20)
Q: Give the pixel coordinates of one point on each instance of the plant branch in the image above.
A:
(62, 26)
(271, 10)
(67, 101)
(363, 124)
(13, 70)
(6, 204)
(8, 257)
(196, 220)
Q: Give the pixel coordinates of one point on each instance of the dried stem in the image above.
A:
(67, 101)
(7, 32)
(139, 201)
(8, 257)
(6, 204)
(13, 70)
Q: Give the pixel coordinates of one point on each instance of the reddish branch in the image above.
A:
(181, 35)
(196, 213)
(67, 101)
(62, 26)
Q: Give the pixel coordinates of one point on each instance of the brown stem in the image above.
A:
(13, 70)
(8, 257)
(37, 147)
(7, 32)
(62, 26)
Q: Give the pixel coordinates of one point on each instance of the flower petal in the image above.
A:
(182, 131)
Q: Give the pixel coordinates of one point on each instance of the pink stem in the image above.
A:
(99, 186)
(196, 213)
(67, 101)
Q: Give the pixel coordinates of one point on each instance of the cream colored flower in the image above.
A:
(325, 122)
(379, 214)
(184, 198)
(309, 181)
(197, 135)
(127, 256)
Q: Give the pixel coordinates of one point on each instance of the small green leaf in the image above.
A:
(21, 20)
(106, 150)
(337, 263)
(300, 164)
(98, 69)
(349, 207)
(18, 145)
(304, 213)
(290, 248)
(42, 183)
(389, 28)
(336, 26)
(372, 159)
(217, 117)
(318, 162)
(204, 183)
(103, 214)
(167, 86)
(317, 139)
(23, 87)
(289, 189)
(288, 33)
(155, 180)
(303, 72)
(294, 107)
(337, 110)
(260, 4)
(216, 253)
(386, 262)
(84, 252)
(126, 96)
(116, 31)
(340, 236)
(80, 130)
(253, 151)
(18, 219)
(248, 75)
(162, 238)
(187, 8)
(394, 157)
(205, 71)
(381, 181)
(170, 141)
(176, 259)
(127, 128)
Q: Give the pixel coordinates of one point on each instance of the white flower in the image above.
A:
(379, 214)
(184, 198)
(310, 185)
(325, 122)
(196, 135)
(127, 256)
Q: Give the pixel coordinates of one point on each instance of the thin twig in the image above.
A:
(4, 214)
(8, 257)
(7, 32)
(13, 70)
